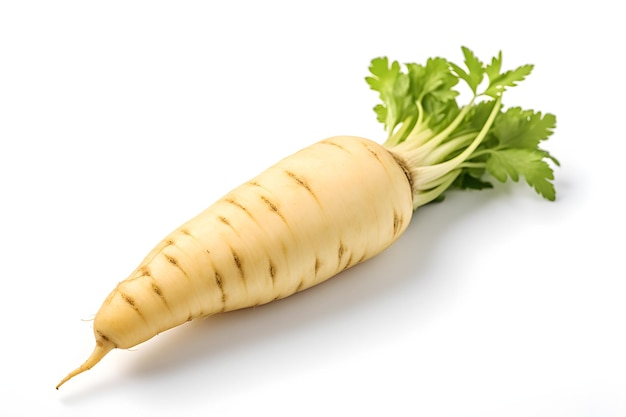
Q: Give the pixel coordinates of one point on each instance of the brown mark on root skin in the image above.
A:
(349, 262)
(340, 252)
(405, 168)
(273, 207)
(397, 223)
(301, 182)
(373, 152)
(171, 259)
(220, 285)
(238, 263)
(241, 207)
(131, 302)
(185, 232)
(329, 142)
(104, 337)
(157, 290)
(235, 203)
(272, 270)
(229, 224)
(174, 262)
(317, 266)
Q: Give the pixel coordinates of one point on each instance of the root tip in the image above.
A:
(101, 349)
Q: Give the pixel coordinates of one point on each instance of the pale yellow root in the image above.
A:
(102, 348)
(310, 216)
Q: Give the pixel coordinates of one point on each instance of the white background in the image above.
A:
(120, 120)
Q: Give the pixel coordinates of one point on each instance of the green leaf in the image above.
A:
(498, 85)
(477, 118)
(475, 70)
(517, 128)
(381, 113)
(434, 78)
(493, 69)
(450, 144)
(384, 74)
(513, 163)
(466, 181)
(393, 88)
(432, 85)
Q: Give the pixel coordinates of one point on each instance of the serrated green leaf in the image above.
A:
(477, 118)
(440, 113)
(474, 65)
(393, 87)
(381, 113)
(475, 70)
(507, 79)
(493, 69)
(517, 128)
(453, 145)
(384, 74)
(434, 78)
(513, 163)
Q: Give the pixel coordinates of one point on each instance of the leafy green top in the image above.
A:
(446, 145)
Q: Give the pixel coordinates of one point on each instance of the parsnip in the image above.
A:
(294, 226)
(323, 209)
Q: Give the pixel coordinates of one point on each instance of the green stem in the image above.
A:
(425, 197)
(396, 137)
(472, 165)
(444, 150)
(443, 135)
(428, 174)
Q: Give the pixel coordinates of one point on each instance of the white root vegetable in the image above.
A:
(333, 204)
(282, 232)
